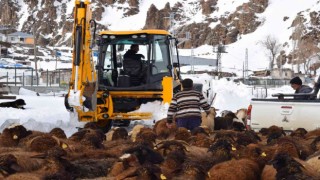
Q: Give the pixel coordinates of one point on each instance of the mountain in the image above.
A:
(53, 19)
(238, 24)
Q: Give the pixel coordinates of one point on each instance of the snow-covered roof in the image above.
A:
(20, 34)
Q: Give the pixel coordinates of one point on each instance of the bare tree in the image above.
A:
(297, 33)
(305, 51)
(281, 59)
(273, 47)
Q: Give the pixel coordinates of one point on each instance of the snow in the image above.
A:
(42, 113)
(23, 13)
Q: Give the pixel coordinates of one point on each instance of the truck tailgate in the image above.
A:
(290, 115)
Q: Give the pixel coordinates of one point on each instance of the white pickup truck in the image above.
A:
(285, 111)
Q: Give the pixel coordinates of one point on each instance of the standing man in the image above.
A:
(296, 84)
(186, 107)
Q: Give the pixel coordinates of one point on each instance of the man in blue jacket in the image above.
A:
(296, 84)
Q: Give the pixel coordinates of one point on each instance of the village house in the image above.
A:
(20, 37)
(284, 73)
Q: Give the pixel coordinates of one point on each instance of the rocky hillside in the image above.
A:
(52, 20)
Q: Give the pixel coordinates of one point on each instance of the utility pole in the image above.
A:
(56, 57)
(192, 60)
(280, 70)
(171, 19)
(246, 64)
(219, 50)
(35, 51)
(243, 76)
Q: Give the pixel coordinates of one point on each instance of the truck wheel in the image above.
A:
(104, 125)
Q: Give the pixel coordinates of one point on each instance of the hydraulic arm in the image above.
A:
(83, 88)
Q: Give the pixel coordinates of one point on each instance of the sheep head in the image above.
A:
(171, 145)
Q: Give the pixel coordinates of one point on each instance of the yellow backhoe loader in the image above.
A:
(108, 88)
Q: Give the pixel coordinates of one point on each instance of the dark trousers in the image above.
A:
(189, 122)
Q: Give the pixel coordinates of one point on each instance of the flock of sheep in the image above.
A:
(206, 153)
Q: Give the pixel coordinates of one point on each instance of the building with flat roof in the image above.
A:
(20, 37)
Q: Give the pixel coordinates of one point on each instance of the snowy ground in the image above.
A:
(46, 111)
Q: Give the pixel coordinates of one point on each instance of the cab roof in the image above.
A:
(146, 31)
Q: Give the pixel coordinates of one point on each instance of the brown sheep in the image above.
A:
(116, 148)
(285, 145)
(313, 134)
(162, 131)
(242, 114)
(229, 121)
(220, 151)
(56, 164)
(290, 168)
(208, 119)
(42, 143)
(29, 176)
(247, 137)
(134, 161)
(299, 148)
(300, 132)
(200, 140)
(146, 136)
(117, 133)
(8, 164)
(130, 169)
(182, 134)
(314, 161)
(84, 168)
(274, 132)
(315, 144)
(268, 173)
(58, 132)
(24, 161)
(228, 135)
(24, 141)
(93, 138)
(11, 136)
(167, 146)
(242, 169)
(192, 170)
(135, 131)
(172, 163)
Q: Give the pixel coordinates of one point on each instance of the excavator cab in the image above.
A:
(141, 71)
(140, 77)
